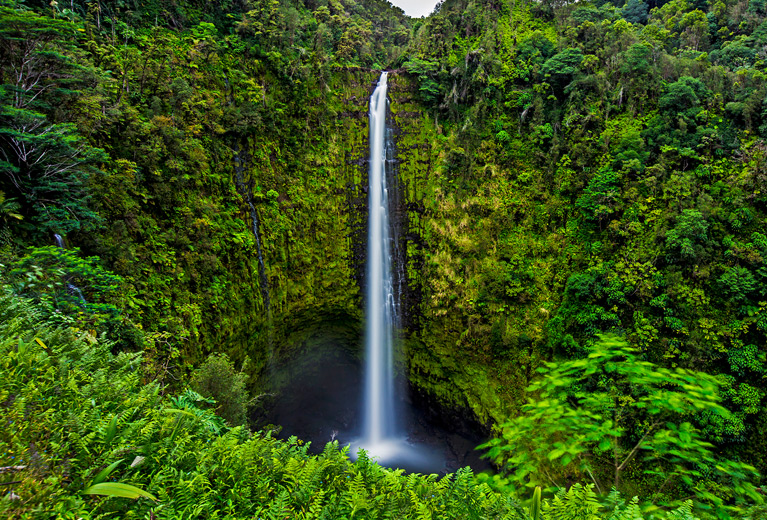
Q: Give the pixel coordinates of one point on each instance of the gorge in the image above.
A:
(576, 224)
(387, 424)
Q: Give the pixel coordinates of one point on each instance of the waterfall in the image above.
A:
(71, 288)
(240, 157)
(385, 430)
(245, 191)
(379, 423)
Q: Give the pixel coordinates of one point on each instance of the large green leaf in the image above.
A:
(117, 489)
(104, 473)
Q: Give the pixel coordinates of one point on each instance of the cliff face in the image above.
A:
(219, 169)
(450, 235)
(313, 231)
(441, 375)
(314, 240)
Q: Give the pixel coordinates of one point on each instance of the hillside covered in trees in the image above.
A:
(582, 202)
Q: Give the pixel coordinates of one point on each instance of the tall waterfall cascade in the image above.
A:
(383, 436)
(379, 421)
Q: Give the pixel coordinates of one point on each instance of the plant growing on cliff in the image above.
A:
(218, 379)
(610, 415)
(44, 163)
(64, 279)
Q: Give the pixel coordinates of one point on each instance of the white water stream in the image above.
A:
(378, 412)
(382, 436)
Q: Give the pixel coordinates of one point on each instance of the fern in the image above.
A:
(629, 512)
(577, 503)
(683, 512)
(423, 512)
(279, 509)
(316, 507)
(357, 497)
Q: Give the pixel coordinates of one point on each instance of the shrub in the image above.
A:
(218, 379)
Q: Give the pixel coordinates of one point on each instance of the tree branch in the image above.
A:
(636, 447)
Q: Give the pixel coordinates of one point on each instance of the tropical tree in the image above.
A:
(610, 414)
(687, 239)
(45, 163)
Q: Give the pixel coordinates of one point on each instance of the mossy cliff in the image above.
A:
(227, 190)
(463, 350)
(312, 223)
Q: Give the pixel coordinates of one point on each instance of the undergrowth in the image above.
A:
(85, 436)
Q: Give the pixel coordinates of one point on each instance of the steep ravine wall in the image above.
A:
(312, 230)
(313, 235)
(444, 380)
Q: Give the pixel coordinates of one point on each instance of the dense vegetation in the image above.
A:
(82, 417)
(612, 166)
(188, 177)
(88, 438)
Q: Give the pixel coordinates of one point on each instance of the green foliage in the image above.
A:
(45, 163)
(581, 502)
(425, 71)
(103, 432)
(601, 196)
(637, 58)
(635, 11)
(218, 379)
(536, 48)
(535, 507)
(612, 413)
(94, 415)
(64, 280)
(8, 209)
(746, 359)
(192, 402)
(737, 282)
(683, 97)
(116, 489)
(49, 166)
(628, 147)
(687, 239)
(590, 303)
(560, 68)
(577, 502)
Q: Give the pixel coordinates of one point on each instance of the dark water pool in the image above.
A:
(320, 401)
